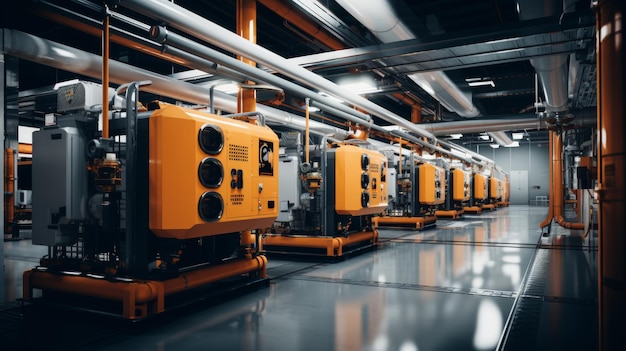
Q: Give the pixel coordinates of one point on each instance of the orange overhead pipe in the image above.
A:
(105, 73)
(246, 28)
(293, 15)
(416, 106)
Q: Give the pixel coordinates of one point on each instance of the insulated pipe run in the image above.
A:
(175, 43)
(204, 29)
(582, 118)
(32, 48)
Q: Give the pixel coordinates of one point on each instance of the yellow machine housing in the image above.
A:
(496, 188)
(480, 187)
(460, 185)
(360, 181)
(210, 175)
(432, 184)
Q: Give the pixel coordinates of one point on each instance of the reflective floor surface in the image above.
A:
(483, 282)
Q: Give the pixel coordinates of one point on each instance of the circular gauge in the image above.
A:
(211, 139)
(211, 172)
(211, 206)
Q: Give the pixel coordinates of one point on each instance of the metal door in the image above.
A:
(519, 187)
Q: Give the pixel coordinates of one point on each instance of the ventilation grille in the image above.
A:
(374, 168)
(237, 153)
(236, 199)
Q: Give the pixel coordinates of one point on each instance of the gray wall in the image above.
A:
(531, 157)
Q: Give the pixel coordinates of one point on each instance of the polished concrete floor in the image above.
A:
(484, 282)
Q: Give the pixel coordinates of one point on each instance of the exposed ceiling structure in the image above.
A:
(475, 68)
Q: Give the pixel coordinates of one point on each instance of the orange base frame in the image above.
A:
(502, 204)
(416, 222)
(489, 207)
(139, 298)
(473, 209)
(454, 214)
(334, 246)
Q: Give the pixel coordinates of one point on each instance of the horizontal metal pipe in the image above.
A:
(483, 161)
(434, 148)
(584, 117)
(35, 49)
(175, 42)
(212, 33)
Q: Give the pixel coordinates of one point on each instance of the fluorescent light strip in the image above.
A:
(482, 83)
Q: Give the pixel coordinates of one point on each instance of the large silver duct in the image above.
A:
(191, 23)
(553, 69)
(379, 17)
(31, 48)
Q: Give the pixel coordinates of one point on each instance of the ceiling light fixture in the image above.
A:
(513, 144)
(518, 136)
(477, 82)
(485, 137)
(494, 146)
(456, 136)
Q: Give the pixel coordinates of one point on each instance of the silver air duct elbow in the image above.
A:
(379, 17)
(552, 70)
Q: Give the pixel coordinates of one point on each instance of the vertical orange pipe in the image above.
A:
(246, 28)
(558, 185)
(557, 174)
(9, 188)
(105, 73)
(611, 74)
(416, 113)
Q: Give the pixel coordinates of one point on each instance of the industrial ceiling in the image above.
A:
(454, 66)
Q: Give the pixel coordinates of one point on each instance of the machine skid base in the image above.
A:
(319, 245)
(473, 209)
(137, 299)
(489, 207)
(412, 222)
(454, 214)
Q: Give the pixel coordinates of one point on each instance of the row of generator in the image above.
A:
(176, 201)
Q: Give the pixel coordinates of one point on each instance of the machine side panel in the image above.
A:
(480, 187)
(460, 185)
(289, 190)
(432, 184)
(60, 185)
(360, 181)
(210, 175)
